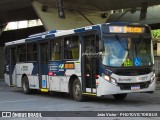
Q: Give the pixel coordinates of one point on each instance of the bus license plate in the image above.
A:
(136, 87)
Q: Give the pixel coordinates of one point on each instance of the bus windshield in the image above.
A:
(127, 52)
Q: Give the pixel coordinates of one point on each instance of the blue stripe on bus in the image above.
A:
(79, 30)
(53, 31)
(33, 39)
(35, 69)
(44, 69)
(97, 27)
(39, 38)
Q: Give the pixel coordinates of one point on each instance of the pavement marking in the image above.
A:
(17, 101)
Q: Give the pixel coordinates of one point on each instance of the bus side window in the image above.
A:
(32, 52)
(7, 54)
(56, 49)
(13, 55)
(44, 53)
(21, 53)
(71, 47)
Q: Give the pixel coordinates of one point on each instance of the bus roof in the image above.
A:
(57, 33)
(52, 34)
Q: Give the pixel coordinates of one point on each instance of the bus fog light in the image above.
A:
(113, 82)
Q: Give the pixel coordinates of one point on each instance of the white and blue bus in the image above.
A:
(99, 60)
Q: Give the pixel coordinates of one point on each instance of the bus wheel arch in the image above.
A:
(25, 84)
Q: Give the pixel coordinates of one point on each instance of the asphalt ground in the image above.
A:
(12, 99)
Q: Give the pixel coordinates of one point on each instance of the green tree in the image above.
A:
(156, 33)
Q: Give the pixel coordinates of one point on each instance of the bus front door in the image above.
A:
(90, 63)
(12, 66)
(43, 65)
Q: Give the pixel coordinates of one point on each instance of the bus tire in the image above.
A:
(25, 85)
(120, 96)
(77, 91)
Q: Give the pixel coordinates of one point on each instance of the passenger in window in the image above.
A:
(71, 48)
(56, 50)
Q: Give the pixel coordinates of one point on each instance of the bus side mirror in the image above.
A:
(100, 55)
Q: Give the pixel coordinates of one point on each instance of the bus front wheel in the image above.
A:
(25, 85)
(77, 92)
(120, 96)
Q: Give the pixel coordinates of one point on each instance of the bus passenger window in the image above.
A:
(13, 55)
(71, 47)
(56, 49)
(21, 53)
(32, 52)
(7, 54)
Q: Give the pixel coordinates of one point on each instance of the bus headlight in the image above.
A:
(109, 79)
(106, 77)
(152, 78)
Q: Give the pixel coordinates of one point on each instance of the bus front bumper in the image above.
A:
(107, 88)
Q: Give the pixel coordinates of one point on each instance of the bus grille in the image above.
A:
(127, 86)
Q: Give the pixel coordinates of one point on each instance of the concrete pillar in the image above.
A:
(73, 19)
(1, 31)
(158, 49)
(2, 61)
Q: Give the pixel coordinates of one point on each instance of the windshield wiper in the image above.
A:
(136, 44)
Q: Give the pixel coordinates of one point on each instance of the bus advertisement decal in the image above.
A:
(57, 67)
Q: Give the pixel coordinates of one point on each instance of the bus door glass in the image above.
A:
(90, 62)
(12, 65)
(43, 64)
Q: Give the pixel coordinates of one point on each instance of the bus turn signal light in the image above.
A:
(50, 73)
(96, 76)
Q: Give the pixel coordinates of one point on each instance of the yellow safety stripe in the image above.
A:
(89, 94)
(44, 90)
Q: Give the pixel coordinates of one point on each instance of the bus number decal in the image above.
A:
(43, 83)
(69, 66)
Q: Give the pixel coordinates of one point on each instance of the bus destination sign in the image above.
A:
(125, 29)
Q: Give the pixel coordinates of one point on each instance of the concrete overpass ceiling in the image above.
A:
(27, 13)
(7, 5)
(15, 10)
(106, 5)
(70, 4)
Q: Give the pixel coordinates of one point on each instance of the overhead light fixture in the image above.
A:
(143, 12)
(60, 8)
(103, 15)
(133, 10)
(44, 8)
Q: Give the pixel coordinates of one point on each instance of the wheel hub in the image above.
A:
(77, 90)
